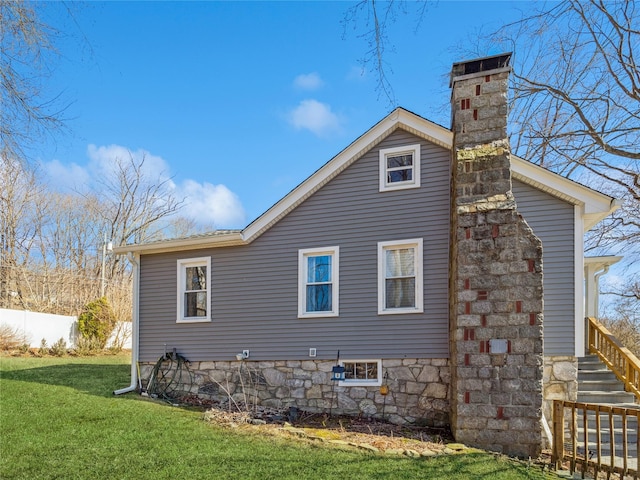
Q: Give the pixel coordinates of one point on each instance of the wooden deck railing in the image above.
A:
(616, 356)
(600, 437)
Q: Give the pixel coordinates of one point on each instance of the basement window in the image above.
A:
(399, 168)
(361, 373)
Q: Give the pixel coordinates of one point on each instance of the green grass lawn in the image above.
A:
(60, 420)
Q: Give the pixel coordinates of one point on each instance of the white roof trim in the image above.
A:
(602, 262)
(399, 118)
(189, 243)
(596, 205)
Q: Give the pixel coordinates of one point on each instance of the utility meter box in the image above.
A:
(498, 345)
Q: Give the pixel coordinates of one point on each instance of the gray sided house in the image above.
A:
(429, 258)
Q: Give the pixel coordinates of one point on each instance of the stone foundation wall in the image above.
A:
(418, 388)
(560, 382)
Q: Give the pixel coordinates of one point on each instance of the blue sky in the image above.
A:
(238, 102)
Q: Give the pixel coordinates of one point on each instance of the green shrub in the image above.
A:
(44, 349)
(59, 349)
(97, 321)
(87, 346)
(10, 338)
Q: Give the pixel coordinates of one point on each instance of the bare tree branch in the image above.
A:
(378, 17)
(27, 53)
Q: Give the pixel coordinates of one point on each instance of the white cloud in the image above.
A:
(314, 116)
(206, 203)
(357, 73)
(308, 81)
(102, 160)
(65, 177)
(100, 167)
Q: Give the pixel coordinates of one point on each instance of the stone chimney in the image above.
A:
(496, 275)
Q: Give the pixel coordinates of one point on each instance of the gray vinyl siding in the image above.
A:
(255, 287)
(552, 220)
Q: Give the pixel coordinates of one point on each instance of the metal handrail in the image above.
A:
(619, 359)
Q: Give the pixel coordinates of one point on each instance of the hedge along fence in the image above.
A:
(34, 327)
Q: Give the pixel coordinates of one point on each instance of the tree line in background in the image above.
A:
(53, 255)
(576, 111)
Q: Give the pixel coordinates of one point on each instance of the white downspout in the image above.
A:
(135, 326)
(596, 281)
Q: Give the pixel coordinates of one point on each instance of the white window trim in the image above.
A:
(302, 283)
(415, 243)
(386, 152)
(362, 383)
(182, 264)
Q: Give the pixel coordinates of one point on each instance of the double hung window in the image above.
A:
(399, 167)
(400, 276)
(194, 290)
(318, 282)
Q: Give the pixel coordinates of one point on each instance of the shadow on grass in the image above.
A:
(94, 379)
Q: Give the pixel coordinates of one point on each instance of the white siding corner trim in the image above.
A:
(579, 281)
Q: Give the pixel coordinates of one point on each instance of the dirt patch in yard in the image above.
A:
(340, 431)
(368, 434)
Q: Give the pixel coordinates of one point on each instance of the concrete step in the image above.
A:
(604, 417)
(591, 363)
(598, 384)
(632, 427)
(603, 374)
(609, 397)
(608, 385)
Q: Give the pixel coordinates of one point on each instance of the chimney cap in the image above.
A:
(480, 65)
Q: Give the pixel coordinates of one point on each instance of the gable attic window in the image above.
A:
(194, 290)
(400, 276)
(399, 167)
(318, 282)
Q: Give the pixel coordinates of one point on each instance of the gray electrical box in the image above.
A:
(498, 345)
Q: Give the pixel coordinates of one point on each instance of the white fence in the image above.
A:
(37, 326)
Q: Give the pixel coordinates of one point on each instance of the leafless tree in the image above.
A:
(575, 96)
(623, 316)
(27, 54)
(52, 243)
(371, 21)
(576, 106)
(180, 227)
(133, 204)
(133, 200)
(20, 209)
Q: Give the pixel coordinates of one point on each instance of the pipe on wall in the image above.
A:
(134, 259)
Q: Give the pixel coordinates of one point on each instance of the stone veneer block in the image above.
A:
(496, 275)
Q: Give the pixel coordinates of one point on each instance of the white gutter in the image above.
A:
(595, 267)
(190, 243)
(135, 327)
